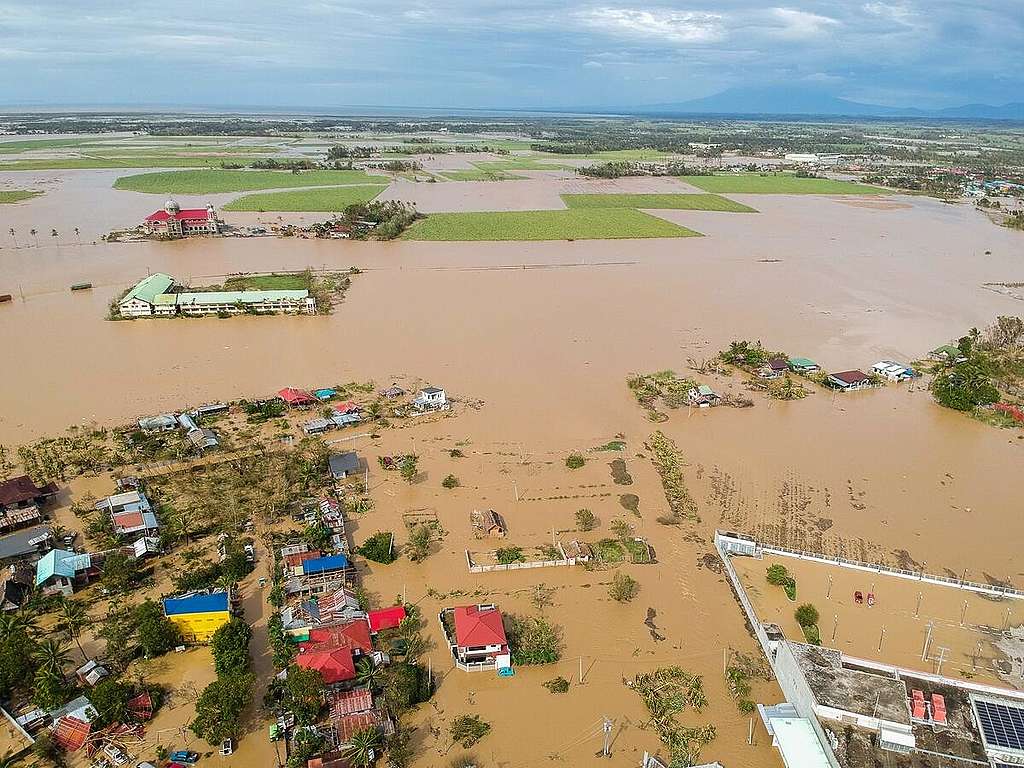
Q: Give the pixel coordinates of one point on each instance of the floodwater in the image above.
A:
(542, 337)
(909, 625)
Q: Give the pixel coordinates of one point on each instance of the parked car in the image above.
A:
(184, 756)
(227, 747)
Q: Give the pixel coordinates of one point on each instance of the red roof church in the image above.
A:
(173, 221)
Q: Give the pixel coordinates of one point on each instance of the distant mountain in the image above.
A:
(1013, 111)
(784, 100)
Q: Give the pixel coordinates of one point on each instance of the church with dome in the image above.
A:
(173, 221)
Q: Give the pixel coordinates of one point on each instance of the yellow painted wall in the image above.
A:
(199, 627)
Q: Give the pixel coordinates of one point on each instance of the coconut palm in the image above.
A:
(368, 673)
(12, 233)
(35, 235)
(71, 620)
(78, 235)
(50, 658)
(361, 748)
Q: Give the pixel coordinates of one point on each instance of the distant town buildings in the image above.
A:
(152, 297)
(173, 221)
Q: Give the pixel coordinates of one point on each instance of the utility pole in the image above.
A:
(606, 751)
(515, 487)
(927, 642)
(963, 613)
(835, 623)
(942, 658)
(917, 611)
(828, 592)
(750, 732)
(430, 674)
(581, 671)
(881, 637)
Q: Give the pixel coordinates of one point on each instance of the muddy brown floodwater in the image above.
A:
(544, 336)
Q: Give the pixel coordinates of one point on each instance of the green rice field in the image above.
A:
(478, 175)
(210, 181)
(271, 282)
(779, 184)
(520, 164)
(25, 145)
(572, 224)
(678, 202)
(82, 163)
(314, 199)
(16, 195)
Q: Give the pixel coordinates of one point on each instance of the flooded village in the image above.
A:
(510, 501)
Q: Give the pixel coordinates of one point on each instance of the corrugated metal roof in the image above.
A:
(149, 288)
(211, 603)
(321, 564)
(60, 562)
(234, 297)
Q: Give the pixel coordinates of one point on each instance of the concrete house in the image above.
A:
(431, 399)
(476, 635)
(140, 301)
(198, 615)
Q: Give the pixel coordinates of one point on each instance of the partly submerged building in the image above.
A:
(140, 301)
(153, 297)
(175, 221)
(198, 615)
(476, 635)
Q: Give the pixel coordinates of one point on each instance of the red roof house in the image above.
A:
(333, 651)
(71, 733)
(354, 635)
(335, 665)
(296, 398)
(349, 725)
(349, 702)
(479, 634)
(386, 618)
(849, 379)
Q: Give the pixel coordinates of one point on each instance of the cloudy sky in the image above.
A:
(489, 53)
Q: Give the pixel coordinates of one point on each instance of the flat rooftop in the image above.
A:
(850, 689)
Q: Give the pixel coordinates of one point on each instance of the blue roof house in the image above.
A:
(60, 571)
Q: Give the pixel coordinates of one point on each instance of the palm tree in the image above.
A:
(35, 235)
(50, 658)
(78, 235)
(368, 673)
(360, 750)
(71, 620)
(13, 237)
